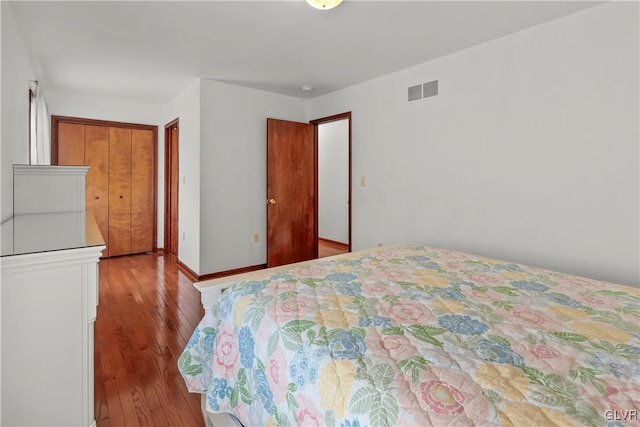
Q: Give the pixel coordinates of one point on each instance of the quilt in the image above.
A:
(419, 336)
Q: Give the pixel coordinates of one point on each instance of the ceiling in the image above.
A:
(148, 51)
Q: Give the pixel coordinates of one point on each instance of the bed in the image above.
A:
(415, 336)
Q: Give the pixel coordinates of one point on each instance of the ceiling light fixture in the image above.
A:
(324, 4)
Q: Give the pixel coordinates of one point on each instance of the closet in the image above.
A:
(121, 182)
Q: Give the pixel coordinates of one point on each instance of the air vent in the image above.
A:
(415, 92)
(430, 89)
(425, 90)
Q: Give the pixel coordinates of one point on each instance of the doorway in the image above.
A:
(333, 136)
(171, 180)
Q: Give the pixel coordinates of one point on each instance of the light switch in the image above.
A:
(363, 181)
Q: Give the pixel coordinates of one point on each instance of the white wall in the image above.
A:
(16, 73)
(186, 107)
(333, 181)
(233, 171)
(91, 107)
(530, 152)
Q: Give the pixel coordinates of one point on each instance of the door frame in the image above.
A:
(168, 153)
(316, 123)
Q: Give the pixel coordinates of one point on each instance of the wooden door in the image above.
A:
(142, 190)
(96, 155)
(120, 191)
(71, 144)
(121, 181)
(291, 185)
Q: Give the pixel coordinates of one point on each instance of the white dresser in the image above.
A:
(49, 269)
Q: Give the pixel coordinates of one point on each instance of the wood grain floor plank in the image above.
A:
(329, 248)
(160, 418)
(116, 416)
(101, 411)
(147, 312)
(146, 315)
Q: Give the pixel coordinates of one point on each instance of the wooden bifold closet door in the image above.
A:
(121, 181)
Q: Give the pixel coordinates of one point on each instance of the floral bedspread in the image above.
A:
(418, 336)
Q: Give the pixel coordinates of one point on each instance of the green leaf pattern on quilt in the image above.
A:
(413, 336)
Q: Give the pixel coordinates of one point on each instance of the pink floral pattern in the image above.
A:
(530, 318)
(311, 272)
(226, 354)
(295, 308)
(442, 398)
(542, 351)
(409, 312)
(415, 335)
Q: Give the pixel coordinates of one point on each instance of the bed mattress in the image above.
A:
(418, 336)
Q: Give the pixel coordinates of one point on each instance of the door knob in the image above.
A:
(271, 202)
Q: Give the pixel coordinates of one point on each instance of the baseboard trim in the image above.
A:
(334, 243)
(191, 275)
(232, 272)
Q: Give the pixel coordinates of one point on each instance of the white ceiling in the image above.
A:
(148, 51)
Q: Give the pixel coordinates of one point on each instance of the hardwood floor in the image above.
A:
(146, 314)
(147, 311)
(329, 247)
